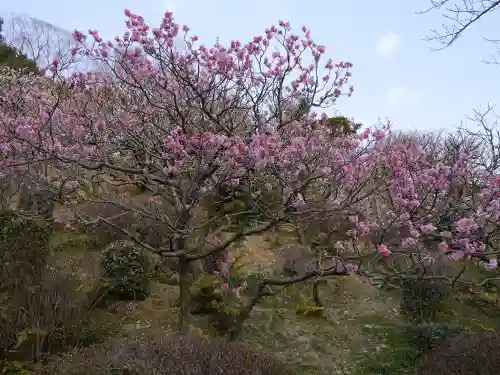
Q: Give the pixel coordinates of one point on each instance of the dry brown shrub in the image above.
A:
(24, 248)
(477, 354)
(48, 316)
(168, 355)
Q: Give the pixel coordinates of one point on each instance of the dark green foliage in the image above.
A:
(403, 347)
(9, 56)
(202, 295)
(221, 305)
(476, 354)
(205, 300)
(127, 270)
(341, 125)
(24, 247)
(244, 204)
(13, 368)
(422, 299)
(431, 335)
(169, 355)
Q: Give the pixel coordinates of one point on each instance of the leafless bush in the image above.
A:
(37, 201)
(53, 315)
(476, 354)
(46, 317)
(186, 355)
(23, 251)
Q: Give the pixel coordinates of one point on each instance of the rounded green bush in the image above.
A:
(127, 270)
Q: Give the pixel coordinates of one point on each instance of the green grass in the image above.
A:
(320, 344)
(72, 242)
(396, 353)
(471, 312)
(358, 333)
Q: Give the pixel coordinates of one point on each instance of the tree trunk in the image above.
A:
(316, 296)
(237, 328)
(184, 284)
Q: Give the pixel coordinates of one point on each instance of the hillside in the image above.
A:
(359, 331)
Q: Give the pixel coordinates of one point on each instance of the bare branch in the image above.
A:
(460, 15)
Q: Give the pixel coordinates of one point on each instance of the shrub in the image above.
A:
(127, 270)
(45, 318)
(169, 355)
(39, 202)
(422, 299)
(7, 329)
(219, 296)
(476, 354)
(431, 335)
(24, 248)
(396, 354)
(13, 368)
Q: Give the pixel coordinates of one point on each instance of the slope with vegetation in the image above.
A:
(11, 57)
(188, 213)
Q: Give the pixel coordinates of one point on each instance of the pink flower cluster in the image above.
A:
(209, 116)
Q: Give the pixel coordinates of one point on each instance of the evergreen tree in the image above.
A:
(341, 125)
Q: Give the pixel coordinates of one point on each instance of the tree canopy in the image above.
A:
(191, 122)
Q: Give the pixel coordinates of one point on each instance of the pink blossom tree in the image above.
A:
(185, 123)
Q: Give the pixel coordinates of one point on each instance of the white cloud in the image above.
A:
(387, 44)
(400, 96)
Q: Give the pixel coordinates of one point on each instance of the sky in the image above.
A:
(396, 75)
